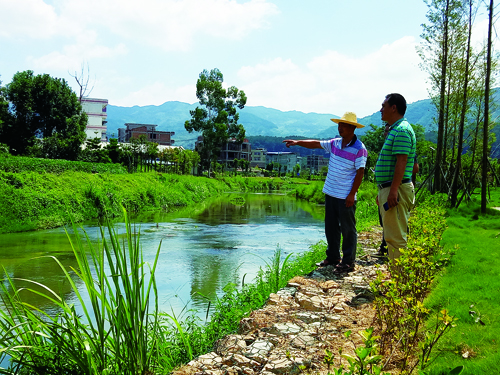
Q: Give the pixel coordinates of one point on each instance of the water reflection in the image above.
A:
(202, 249)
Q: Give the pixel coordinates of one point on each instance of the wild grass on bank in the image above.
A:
(366, 207)
(121, 330)
(32, 201)
(20, 164)
(115, 333)
(470, 290)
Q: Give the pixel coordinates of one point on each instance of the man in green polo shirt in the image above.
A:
(393, 172)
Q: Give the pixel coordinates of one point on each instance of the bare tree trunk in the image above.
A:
(442, 91)
(458, 168)
(484, 179)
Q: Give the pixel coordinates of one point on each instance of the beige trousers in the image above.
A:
(395, 219)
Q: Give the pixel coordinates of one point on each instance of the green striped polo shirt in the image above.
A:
(400, 140)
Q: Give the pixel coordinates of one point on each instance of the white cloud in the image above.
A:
(71, 57)
(157, 94)
(335, 83)
(168, 24)
(27, 18)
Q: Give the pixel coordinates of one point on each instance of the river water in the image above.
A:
(203, 248)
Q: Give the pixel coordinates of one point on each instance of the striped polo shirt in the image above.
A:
(343, 164)
(400, 140)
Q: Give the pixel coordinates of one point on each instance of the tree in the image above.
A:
(217, 119)
(4, 109)
(296, 169)
(94, 153)
(45, 108)
(114, 150)
(83, 81)
(435, 51)
(486, 112)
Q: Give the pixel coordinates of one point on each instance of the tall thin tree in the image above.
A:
(458, 167)
(484, 179)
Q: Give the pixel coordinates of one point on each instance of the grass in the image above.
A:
(469, 289)
(32, 201)
(366, 208)
(115, 334)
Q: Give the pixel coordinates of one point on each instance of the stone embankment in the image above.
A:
(299, 325)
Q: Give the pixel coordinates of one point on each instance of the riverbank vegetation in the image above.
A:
(170, 341)
(33, 200)
(366, 207)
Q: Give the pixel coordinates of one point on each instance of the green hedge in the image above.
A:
(17, 164)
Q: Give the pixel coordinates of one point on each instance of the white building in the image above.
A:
(258, 158)
(96, 112)
(288, 159)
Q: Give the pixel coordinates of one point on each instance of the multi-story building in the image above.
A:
(288, 159)
(231, 150)
(148, 130)
(96, 113)
(258, 158)
(316, 162)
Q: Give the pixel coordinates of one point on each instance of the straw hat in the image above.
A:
(348, 118)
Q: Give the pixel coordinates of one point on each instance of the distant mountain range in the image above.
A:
(170, 116)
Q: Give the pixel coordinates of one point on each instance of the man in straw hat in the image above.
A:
(345, 173)
(393, 173)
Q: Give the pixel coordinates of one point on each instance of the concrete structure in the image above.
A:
(230, 151)
(258, 158)
(148, 130)
(316, 162)
(96, 112)
(288, 159)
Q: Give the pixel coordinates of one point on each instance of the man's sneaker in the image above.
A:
(344, 268)
(327, 262)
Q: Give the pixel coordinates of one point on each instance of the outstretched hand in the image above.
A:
(290, 142)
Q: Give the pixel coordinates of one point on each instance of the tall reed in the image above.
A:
(116, 333)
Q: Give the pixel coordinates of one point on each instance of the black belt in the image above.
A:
(388, 184)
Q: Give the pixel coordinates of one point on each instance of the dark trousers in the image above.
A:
(340, 223)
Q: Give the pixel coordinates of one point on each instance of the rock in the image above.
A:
(329, 284)
(281, 366)
(287, 292)
(284, 329)
(230, 344)
(240, 361)
(333, 318)
(259, 350)
(207, 360)
(303, 340)
(311, 291)
(308, 318)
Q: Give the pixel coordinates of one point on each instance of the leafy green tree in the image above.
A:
(94, 153)
(245, 165)
(217, 118)
(152, 153)
(296, 169)
(4, 109)
(236, 163)
(45, 108)
(114, 150)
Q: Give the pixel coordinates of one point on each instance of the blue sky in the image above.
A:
(325, 56)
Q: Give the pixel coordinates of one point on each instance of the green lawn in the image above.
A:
(470, 290)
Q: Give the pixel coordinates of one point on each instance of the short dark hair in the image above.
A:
(399, 101)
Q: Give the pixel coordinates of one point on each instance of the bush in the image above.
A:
(18, 164)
